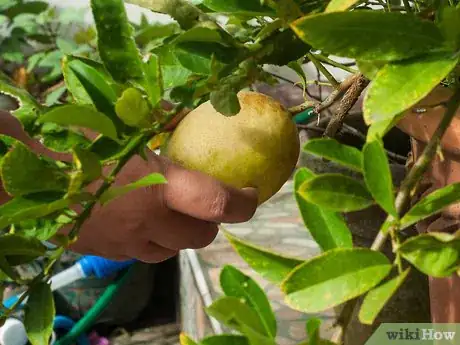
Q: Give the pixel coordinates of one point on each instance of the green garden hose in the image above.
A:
(304, 116)
(85, 323)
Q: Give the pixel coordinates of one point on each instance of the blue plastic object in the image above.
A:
(65, 323)
(10, 302)
(100, 267)
(91, 266)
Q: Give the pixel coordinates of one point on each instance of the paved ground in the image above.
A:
(160, 335)
(276, 225)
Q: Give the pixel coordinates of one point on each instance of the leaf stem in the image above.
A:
(333, 63)
(323, 70)
(395, 244)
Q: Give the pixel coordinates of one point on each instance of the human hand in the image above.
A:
(152, 224)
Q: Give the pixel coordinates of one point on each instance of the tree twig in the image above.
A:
(301, 107)
(347, 102)
(335, 95)
(403, 198)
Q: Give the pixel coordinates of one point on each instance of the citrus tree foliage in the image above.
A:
(211, 50)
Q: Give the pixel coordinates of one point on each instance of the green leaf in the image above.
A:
(255, 338)
(377, 298)
(380, 129)
(88, 163)
(53, 97)
(41, 229)
(331, 149)
(449, 26)
(155, 31)
(198, 56)
(435, 254)
(20, 259)
(234, 313)
(225, 101)
(239, 7)
(7, 269)
(147, 181)
(270, 265)
(224, 339)
(81, 116)
(267, 30)
(95, 84)
(20, 209)
(235, 283)
(153, 80)
(334, 277)
(116, 44)
(99, 87)
(133, 109)
(286, 47)
(61, 139)
(336, 192)
(17, 181)
(327, 228)
(183, 11)
(5, 4)
(186, 340)
(431, 204)
(204, 32)
(172, 72)
(369, 68)
(287, 10)
(312, 327)
(32, 7)
(370, 35)
(33, 60)
(73, 84)
(12, 245)
(39, 314)
(377, 175)
(29, 109)
(66, 46)
(399, 86)
(52, 59)
(340, 5)
(195, 63)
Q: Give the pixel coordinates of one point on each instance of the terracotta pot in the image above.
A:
(444, 170)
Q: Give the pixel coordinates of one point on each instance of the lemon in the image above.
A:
(257, 148)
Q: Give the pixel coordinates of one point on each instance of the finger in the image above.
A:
(82, 249)
(178, 231)
(201, 196)
(151, 252)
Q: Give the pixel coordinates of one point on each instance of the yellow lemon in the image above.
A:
(257, 148)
